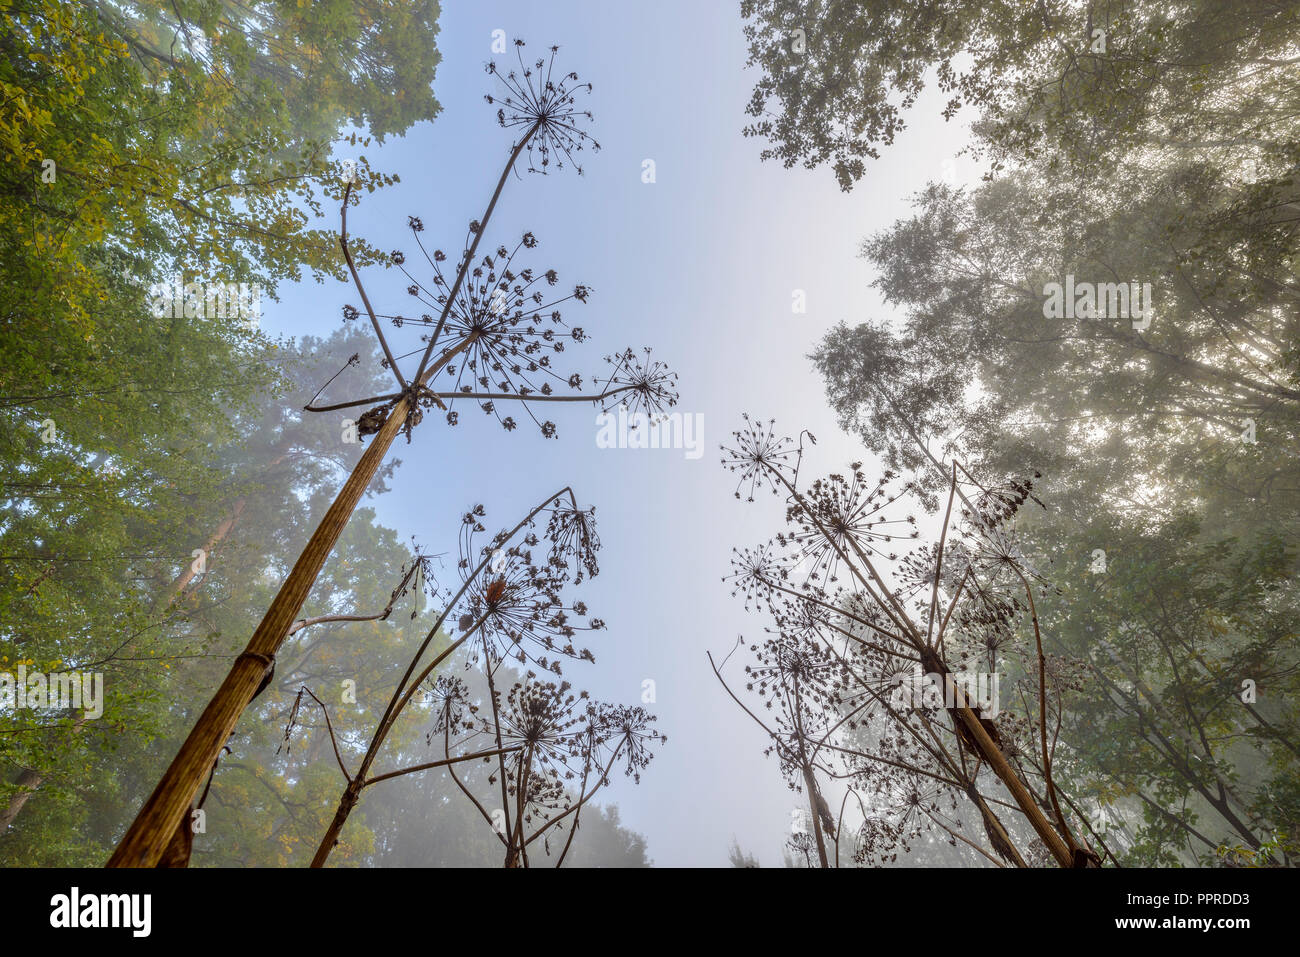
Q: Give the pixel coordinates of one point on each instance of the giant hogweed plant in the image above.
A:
(853, 617)
(512, 607)
(493, 336)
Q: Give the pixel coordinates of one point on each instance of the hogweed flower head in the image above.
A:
(520, 602)
(785, 663)
(505, 325)
(627, 732)
(839, 516)
(543, 101)
(755, 572)
(639, 383)
(572, 534)
(448, 698)
(760, 457)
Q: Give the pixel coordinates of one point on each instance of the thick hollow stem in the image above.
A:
(989, 750)
(147, 837)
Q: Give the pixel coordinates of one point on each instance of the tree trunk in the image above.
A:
(223, 530)
(179, 584)
(29, 781)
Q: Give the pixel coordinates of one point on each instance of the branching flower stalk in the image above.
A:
(546, 735)
(503, 593)
(512, 606)
(969, 592)
(798, 683)
(542, 106)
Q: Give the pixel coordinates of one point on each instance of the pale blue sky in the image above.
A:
(701, 265)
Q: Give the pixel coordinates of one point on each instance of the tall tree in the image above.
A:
(146, 144)
(1131, 145)
(1101, 78)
